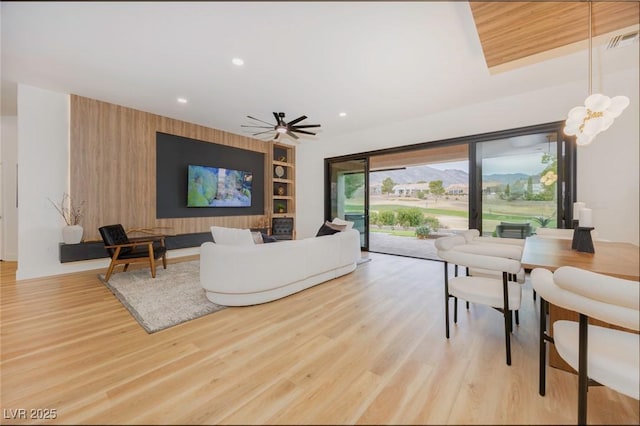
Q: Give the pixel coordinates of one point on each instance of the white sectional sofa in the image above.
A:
(249, 274)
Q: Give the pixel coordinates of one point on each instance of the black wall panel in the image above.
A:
(173, 156)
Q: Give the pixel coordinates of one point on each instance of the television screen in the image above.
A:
(218, 187)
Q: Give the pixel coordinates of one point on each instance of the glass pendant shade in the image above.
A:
(597, 115)
(598, 112)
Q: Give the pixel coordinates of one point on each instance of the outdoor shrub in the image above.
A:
(374, 219)
(387, 217)
(432, 222)
(410, 217)
(423, 231)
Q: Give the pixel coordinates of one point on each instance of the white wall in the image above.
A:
(607, 170)
(9, 156)
(43, 174)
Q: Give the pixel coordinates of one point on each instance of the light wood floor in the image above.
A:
(368, 348)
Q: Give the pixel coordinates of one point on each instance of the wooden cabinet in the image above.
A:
(283, 179)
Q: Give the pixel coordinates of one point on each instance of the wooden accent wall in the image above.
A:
(113, 167)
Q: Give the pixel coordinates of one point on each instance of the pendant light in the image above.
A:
(598, 112)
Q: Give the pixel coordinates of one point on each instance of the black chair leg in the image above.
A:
(583, 378)
(507, 316)
(507, 335)
(446, 298)
(534, 295)
(467, 306)
(455, 310)
(543, 348)
(517, 317)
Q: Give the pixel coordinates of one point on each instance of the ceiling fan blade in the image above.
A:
(257, 119)
(260, 133)
(279, 120)
(297, 120)
(292, 135)
(277, 136)
(260, 127)
(302, 131)
(306, 126)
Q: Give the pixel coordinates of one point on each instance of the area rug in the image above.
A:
(174, 296)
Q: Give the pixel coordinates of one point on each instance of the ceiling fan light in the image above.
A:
(281, 129)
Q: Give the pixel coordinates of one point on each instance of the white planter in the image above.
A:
(72, 234)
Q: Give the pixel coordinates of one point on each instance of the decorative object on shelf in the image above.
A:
(281, 127)
(282, 159)
(71, 213)
(281, 208)
(598, 112)
(279, 170)
(281, 190)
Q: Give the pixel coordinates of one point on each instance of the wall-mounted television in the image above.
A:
(218, 187)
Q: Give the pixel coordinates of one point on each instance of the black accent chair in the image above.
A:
(122, 250)
(282, 228)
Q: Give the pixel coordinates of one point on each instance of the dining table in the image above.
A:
(616, 259)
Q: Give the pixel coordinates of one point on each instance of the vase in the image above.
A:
(72, 234)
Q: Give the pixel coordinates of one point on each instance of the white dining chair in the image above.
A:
(610, 357)
(500, 291)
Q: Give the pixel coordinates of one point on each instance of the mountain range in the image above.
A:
(448, 177)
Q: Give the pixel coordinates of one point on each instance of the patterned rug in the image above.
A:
(174, 296)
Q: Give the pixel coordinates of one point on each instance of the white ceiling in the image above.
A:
(377, 61)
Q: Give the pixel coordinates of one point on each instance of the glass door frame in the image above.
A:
(328, 163)
(566, 152)
(566, 170)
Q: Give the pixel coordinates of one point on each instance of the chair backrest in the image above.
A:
(564, 234)
(114, 235)
(451, 249)
(513, 230)
(609, 299)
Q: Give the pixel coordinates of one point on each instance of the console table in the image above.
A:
(95, 249)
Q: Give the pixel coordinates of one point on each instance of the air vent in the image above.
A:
(622, 40)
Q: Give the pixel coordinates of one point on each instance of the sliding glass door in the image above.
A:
(523, 183)
(507, 183)
(348, 195)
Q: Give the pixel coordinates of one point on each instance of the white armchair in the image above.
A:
(496, 290)
(608, 356)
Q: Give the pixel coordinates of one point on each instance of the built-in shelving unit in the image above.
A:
(284, 190)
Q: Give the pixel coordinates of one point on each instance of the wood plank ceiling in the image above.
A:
(511, 31)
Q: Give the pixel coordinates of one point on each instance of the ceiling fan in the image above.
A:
(281, 127)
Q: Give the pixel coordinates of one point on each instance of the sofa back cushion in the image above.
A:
(231, 236)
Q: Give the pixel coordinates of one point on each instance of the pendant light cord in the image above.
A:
(590, 52)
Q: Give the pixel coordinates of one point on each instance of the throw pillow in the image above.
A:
(257, 237)
(231, 236)
(325, 229)
(338, 221)
(335, 226)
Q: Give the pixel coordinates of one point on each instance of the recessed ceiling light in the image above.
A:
(237, 61)
(343, 114)
(182, 100)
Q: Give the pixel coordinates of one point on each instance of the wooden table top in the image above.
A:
(620, 260)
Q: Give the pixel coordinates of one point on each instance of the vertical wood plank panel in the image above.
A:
(113, 167)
